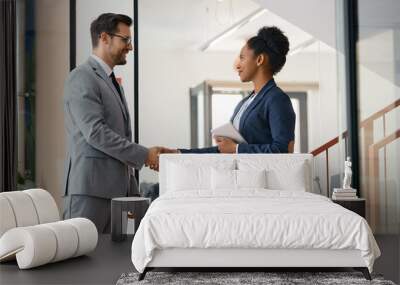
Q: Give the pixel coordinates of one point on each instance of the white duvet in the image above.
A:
(250, 219)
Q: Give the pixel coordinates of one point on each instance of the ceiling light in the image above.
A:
(302, 46)
(249, 18)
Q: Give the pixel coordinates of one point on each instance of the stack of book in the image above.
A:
(344, 194)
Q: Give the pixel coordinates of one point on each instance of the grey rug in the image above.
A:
(231, 278)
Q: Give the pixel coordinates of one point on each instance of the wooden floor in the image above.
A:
(103, 266)
(111, 259)
(389, 262)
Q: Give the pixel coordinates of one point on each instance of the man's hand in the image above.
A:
(152, 160)
(226, 145)
(168, 150)
(152, 157)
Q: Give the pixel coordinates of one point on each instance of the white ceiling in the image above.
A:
(189, 24)
(186, 25)
(235, 41)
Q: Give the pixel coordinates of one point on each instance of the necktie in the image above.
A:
(115, 82)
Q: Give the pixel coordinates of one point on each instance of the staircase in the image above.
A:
(373, 156)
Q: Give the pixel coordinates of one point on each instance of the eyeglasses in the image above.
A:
(126, 40)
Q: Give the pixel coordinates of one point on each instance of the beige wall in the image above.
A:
(52, 67)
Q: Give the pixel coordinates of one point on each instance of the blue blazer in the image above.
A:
(267, 124)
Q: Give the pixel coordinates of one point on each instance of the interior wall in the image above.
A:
(52, 67)
(86, 12)
(165, 110)
(164, 82)
(165, 79)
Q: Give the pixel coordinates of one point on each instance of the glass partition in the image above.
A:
(379, 100)
(187, 84)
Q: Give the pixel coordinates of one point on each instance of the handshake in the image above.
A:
(153, 156)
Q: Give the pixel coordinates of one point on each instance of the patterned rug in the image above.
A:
(242, 278)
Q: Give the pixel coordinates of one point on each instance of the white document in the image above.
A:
(228, 130)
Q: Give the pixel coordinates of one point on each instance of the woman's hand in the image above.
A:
(226, 145)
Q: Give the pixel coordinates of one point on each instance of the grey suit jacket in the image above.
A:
(100, 151)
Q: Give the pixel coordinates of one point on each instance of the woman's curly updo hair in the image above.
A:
(273, 42)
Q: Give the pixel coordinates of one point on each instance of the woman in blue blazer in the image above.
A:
(265, 118)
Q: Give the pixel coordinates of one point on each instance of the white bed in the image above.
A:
(247, 211)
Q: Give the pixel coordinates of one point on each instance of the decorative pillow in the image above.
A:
(251, 178)
(292, 179)
(182, 177)
(236, 179)
(284, 171)
(189, 176)
(223, 179)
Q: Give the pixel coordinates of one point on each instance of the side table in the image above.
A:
(355, 205)
(121, 207)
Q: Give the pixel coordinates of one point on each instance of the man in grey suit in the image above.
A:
(100, 151)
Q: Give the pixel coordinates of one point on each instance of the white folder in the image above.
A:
(228, 130)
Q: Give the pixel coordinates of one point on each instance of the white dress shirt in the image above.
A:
(243, 108)
(239, 114)
(107, 69)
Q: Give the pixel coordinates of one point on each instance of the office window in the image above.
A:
(379, 119)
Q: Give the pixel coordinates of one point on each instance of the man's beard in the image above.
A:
(119, 59)
(121, 62)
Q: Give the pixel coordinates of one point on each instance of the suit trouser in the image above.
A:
(96, 209)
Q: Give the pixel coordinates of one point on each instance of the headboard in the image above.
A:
(276, 162)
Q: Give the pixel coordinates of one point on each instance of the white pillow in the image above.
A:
(251, 178)
(292, 179)
(237, 179)
(188, 176)
(223, 179)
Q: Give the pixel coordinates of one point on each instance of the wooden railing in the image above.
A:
(325, 148)
(371, 189)
(379, 114)
(370, 149)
